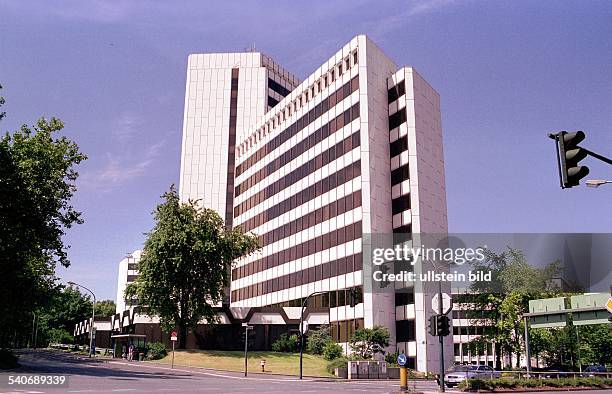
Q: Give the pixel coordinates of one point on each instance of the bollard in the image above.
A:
(263, 365)
(403, 379)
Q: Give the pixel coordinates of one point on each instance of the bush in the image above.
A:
(340, 362)
(7, 359)
(156, 351)
(59, 335)
(317, 340)
(492, 384)
(391, 358)
(366, 341)
(286, 343)
(332, 351)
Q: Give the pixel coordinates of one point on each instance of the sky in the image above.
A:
(508, 73)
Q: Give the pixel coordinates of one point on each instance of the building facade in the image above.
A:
(128, 273)
(310, 167)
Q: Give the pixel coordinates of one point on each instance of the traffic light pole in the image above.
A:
(441, 338)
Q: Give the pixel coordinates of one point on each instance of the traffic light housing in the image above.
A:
(433, 323)
(568, 156)
(442, 326)
(439, 325)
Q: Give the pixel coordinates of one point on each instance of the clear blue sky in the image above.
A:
(507, 72)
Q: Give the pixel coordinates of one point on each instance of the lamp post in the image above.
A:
(302, 324)
(93, 316)
(596, 182)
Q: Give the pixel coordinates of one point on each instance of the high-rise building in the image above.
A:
(311, 167)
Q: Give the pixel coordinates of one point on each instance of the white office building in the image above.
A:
(310, 167)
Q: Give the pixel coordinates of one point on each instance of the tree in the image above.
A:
(37, 181)
(506, 298)
(367, 341)
(317, 339)
(105, 308)
(185, 264)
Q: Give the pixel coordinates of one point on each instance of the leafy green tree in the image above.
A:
(37, 182)
(185, 264)
(105, 308)
(367, 341)
(317, 339)
(506, 298)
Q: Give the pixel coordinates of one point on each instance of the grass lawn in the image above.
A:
(281, 363)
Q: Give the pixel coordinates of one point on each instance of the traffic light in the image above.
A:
(442, 326)
(433, 323)
(439, 325)
(568, 156)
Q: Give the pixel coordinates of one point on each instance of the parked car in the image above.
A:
(459, 373)
(592, 370)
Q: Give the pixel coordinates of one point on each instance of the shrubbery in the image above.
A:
(156, 351)
(317, 339)
(7, 359)
(332, 351)
(286, 343)
(340, 362)
(492, 384)
(60, 335)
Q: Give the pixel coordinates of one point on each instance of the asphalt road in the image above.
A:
(95, 376)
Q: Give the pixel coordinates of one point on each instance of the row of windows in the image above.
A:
(318, 244)
(404, 298)
(405, 330)
(131, 278)
(323, 186)
(472, 314)
(397, 118)
(471, 330)
(319, 272)
(396, 92)
(307, 143)
(400, 204)
(398, 146)
(132, 266)
(272, 102)
(406, 229)
(331, 299)
(342, 331)
(309, 117)
(278, 88)
(231, 150)
(400, 174)
(474, 349)
(321, 160)
(307, 95)
(333, 209)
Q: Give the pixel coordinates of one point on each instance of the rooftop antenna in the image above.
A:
(250, 49)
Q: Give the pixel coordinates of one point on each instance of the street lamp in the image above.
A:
(93, 316)
(596, 182)
(302, 326)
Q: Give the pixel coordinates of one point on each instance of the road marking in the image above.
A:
(81, 391)
(124, 390)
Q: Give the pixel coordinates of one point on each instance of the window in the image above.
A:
(325, 81)
(355, 57)
(340, 70)
(333, 75)
(347, 64)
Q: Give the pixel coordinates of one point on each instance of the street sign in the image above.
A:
(304, 328)
(609, 305)
(173, 336)
(401, 360)
(446, 303)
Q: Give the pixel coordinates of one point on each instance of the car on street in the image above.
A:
(459, 373)
(594, 370)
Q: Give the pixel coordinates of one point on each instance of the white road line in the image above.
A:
(123, 390)
(81, 391)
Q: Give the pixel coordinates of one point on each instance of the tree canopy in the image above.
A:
(37, 182)
(186, 262)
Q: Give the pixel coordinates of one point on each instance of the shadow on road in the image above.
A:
(53, 362)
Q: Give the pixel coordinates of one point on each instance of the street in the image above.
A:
(96, 376)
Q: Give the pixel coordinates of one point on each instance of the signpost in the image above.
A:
(401, 361)
(446, 303)
(173, 338)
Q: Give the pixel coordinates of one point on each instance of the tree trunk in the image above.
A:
(182, 335)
